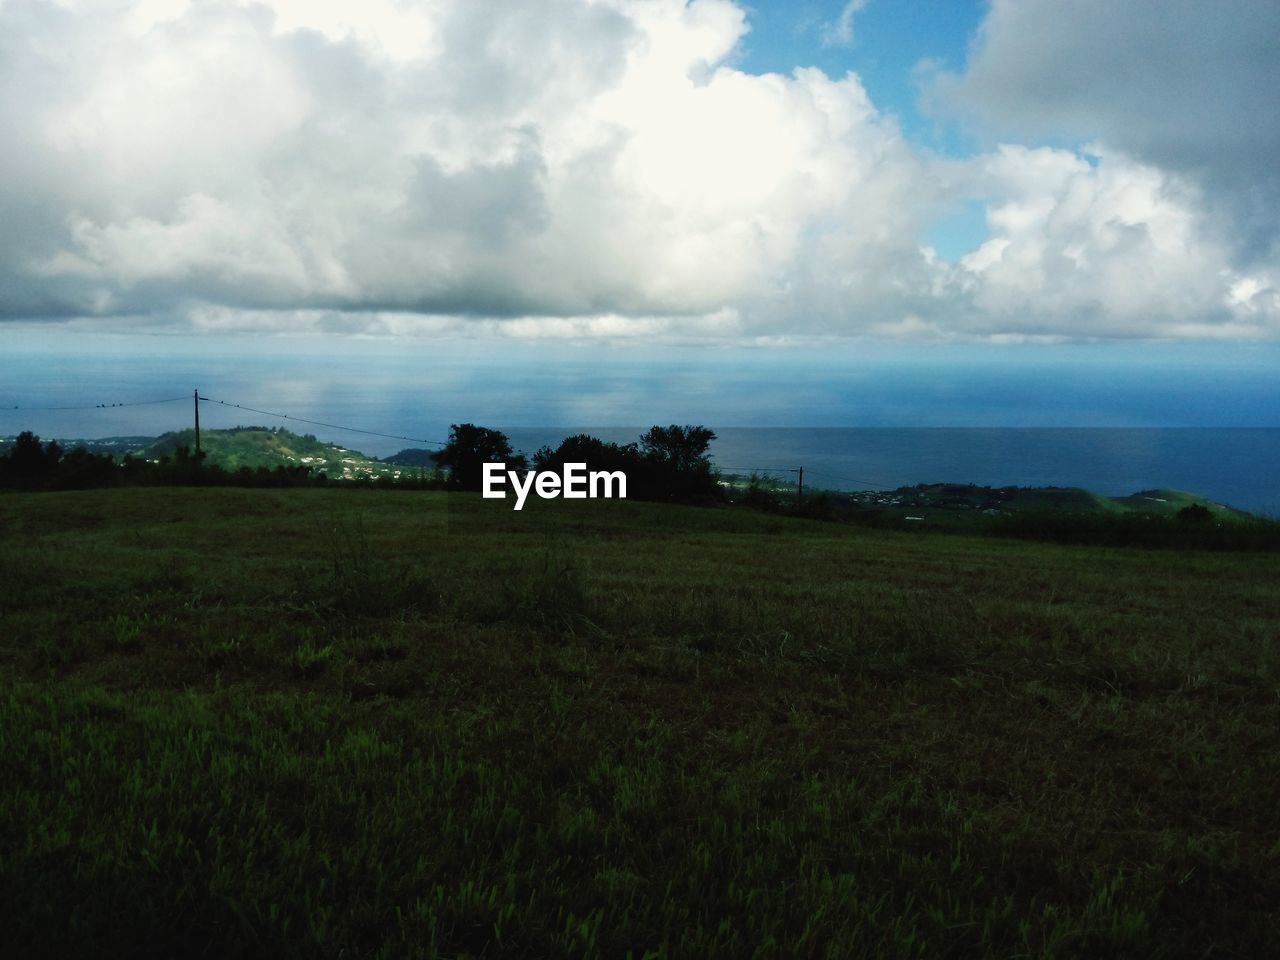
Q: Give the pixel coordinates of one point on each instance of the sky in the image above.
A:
(643, 173)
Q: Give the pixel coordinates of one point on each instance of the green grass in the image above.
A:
(360, 723)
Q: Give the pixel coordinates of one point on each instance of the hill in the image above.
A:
(949, 504)
(962, 498)
(325, 722)
(412, 457)
(270, 447)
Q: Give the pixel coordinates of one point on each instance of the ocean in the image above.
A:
(1235, 466)
(865, 421)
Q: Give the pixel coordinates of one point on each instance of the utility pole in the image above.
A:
(800, 488)
(196, 400)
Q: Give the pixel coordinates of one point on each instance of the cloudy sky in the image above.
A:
(644, 170)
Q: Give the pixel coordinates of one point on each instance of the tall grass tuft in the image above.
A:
(362, 581)
(544, 592)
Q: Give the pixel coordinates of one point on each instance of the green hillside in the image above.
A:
(1169, 502)
(965, 505)
(270, 447)
(352, 722)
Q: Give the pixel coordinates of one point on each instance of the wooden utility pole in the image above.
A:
(800, 488)
(196, 396)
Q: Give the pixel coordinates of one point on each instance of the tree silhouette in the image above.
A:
(1195, 513)
(669, 463)
(595, 453)
(679, 467)
(683, 449)
(28, 463)
(469, 449)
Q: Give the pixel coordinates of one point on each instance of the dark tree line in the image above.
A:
(469, 449)
(31, 465)
(666, 463)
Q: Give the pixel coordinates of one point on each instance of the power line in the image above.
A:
(760, 469)
(321, 423)
(866, 483)
(99, 406)
(394, 436)
(821, 473)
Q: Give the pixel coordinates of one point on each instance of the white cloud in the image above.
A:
(1099, 245)
(555, 168)
(839, 32)
(560, 158)
(1184, 85)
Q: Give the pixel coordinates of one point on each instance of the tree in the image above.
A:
(469, 448)
(682, 449)
(28, 463)
(678, 465)
(82, 470)
(1195, 513)
(669, 463)
(595, 453)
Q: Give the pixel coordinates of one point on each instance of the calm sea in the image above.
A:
(1240, 466)
(417, 390)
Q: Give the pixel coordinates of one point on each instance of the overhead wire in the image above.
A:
(761, 469)
(835, 476)
(395, 436)
(98, 406)
(811, 472)
(321, 423)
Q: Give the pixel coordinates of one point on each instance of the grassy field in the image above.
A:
(397, 724)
